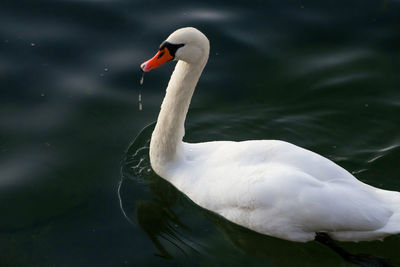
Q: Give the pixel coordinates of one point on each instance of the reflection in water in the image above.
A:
(154, 216)
(158, 218)
(160, 222)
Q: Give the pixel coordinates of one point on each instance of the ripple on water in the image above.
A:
(321, 62)
(182, 17)
(342, 79)
(381, 152)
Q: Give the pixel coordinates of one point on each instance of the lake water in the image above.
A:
(76, 186)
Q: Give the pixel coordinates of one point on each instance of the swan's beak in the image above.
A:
(160, 58)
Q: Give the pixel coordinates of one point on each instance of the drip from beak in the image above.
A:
(160, 58)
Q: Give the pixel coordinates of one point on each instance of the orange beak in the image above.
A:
(160, 58)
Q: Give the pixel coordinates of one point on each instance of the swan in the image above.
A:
(269, 186)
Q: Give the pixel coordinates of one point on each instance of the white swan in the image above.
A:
(269, 186)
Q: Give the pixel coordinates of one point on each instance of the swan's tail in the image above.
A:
(392, 198)
(392, 227)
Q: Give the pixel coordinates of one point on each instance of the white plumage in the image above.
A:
(269, 186)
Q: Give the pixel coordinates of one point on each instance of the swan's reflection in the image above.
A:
(155, 216)
(160, 222)
(155, 213)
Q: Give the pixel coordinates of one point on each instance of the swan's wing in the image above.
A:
(282, 190)
(339, 205)
(287, 203)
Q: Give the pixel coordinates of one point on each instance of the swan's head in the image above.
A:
(186, 44)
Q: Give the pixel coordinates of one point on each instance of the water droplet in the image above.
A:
(105, 69)
(140, 94)
(42, 94)
(142, 79)
(33, 44)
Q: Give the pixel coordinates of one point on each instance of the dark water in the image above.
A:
(320, 74)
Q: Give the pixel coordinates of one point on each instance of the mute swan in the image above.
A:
(269, 186)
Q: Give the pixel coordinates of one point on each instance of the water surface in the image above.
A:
(320, 75)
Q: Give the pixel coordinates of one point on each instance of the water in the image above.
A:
(321, 75)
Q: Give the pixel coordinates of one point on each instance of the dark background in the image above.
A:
(322, 75)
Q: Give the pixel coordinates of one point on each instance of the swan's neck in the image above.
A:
(166, 141)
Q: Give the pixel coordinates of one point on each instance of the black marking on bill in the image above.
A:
(172, 48)
(160, 55)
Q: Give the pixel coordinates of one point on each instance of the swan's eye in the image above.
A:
(163, 45)
(172, 48)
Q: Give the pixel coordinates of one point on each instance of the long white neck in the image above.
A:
(166, 141)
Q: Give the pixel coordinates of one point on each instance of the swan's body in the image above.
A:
(269, 186)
